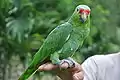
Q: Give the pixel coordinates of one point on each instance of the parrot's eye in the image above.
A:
(77, 9)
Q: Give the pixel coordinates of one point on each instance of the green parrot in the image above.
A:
(62, 42)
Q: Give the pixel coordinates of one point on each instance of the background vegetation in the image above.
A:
(24, 25)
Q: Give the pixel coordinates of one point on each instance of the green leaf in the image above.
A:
(19, 28)
(22, 3)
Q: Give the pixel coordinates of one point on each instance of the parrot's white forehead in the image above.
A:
(83, 7)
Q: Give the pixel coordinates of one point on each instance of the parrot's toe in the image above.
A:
(70, 61)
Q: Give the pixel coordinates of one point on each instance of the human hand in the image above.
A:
(75, 73)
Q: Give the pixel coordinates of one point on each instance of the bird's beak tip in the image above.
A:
(83, 17)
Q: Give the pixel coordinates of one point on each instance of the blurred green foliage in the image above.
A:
(24, 25)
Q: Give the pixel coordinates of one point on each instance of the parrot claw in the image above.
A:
(70, 61)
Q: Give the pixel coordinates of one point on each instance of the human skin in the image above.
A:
(65, 73)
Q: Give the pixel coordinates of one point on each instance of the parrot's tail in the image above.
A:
(38, 60)
(29, 72)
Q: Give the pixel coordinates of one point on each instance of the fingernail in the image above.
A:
(65, 65)
(41, 67)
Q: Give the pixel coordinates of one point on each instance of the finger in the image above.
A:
(41, 67)
(47, 67)
(64, 65)
(76, 69)
(78, 76)
(50, 66)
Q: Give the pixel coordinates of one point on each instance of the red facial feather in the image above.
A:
(87, 11)
(84, 11)
(81, 10)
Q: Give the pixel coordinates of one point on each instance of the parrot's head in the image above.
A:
(83, 11)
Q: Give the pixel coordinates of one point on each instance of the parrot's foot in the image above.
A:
(70, 61)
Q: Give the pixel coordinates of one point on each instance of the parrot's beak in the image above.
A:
(83, 17)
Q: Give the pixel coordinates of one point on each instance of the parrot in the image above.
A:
(62, 42)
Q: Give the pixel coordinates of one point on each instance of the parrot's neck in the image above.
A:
(76, 22)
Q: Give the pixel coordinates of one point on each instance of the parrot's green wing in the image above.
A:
(53, 43)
